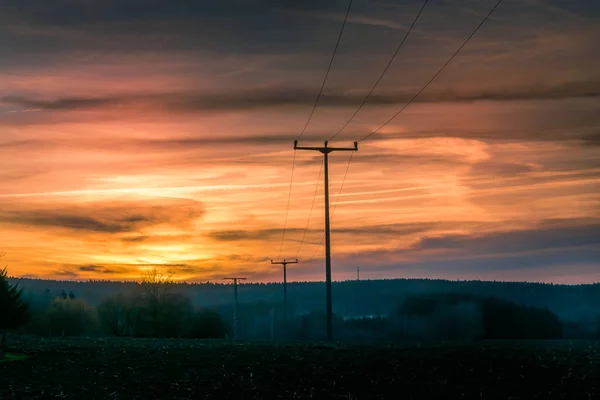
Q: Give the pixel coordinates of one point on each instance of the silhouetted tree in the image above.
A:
(13, 310)
(493, 319)
(156, 285)
(71, 295)
(71, 317)
(115, 314)
(63, 295)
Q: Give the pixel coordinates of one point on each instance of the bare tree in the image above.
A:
(156, 286)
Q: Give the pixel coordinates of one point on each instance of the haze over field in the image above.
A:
(134, 135)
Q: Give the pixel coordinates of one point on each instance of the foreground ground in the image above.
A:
(184, 369)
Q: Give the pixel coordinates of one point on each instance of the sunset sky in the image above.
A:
(141, 133)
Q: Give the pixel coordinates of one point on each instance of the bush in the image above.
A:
(71, 317)
(115, 313)
(139, 315)
(175, 317)
(485, 317)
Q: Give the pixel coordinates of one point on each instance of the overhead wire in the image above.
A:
(436, 74)
(287, 210)
(308, 122)
(336, 202)
(382, 72)
(311, 210)
(407, 104)
(328, 70)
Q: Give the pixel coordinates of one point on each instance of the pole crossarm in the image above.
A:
(284, 262)
(234, 279)
(326, 149)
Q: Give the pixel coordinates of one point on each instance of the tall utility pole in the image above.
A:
(236, 326)
(358, 273)
(284, 263)
(326, 150)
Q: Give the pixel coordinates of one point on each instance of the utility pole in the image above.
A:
(285, 263)
(326, 150)
(235, 307)
(358, 273)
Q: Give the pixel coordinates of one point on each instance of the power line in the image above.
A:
(287, 211)
(407, 104)
(336, 203)
(328, 70)
(382, 73)
(308, 122)
(437, 73)
(311, 210)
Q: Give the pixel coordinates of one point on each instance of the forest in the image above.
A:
(367, 310)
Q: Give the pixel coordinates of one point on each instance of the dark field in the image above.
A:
(184, 369)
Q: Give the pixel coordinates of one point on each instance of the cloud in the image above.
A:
(549, 235)
(278, 97)
(98, 217)
(499, 168)
(374, 230)
(69, 221)
(242, 235)
(135, 239)
(100, 269)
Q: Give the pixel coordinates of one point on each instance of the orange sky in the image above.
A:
(125, 144)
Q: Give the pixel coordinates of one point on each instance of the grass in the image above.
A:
(185, 369)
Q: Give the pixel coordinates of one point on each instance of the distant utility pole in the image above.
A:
(236, 326)
(285, 263)
(326, 150)
(358, 273)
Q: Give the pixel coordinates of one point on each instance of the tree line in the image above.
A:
(157, 307)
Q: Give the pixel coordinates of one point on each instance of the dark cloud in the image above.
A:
(106, 218)
(264, 234)
(255, 99)
(102, 269)
(132, 25)
(65, 272)
(73, 222)
(90, 268)
(74, 270)
(498, 168)
(241, 235)
(135, 239)
(548, 236)
(246, 258)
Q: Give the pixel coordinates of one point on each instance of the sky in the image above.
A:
(140, 134)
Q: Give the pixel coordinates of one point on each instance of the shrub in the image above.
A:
(71, 317)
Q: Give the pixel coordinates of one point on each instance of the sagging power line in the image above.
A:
(325, 152)
(435, 75)
(312, 206)
(419, 92)
(382, 72)
(337, 43)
